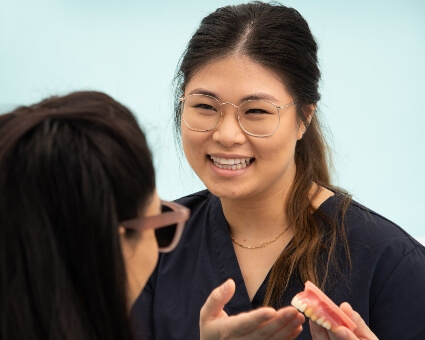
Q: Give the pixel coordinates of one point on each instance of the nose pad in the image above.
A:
(235, 113)
(232, 116)
(228, 130)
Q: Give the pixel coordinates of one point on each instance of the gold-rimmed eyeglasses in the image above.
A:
(257, 118)
(168, 225)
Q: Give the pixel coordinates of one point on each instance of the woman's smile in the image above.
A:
(234, 163)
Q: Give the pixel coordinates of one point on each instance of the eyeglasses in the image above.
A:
(257, 118)
(168, 225)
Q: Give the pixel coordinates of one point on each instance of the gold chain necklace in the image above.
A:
(262, 245)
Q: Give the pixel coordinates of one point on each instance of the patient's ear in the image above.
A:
(309, 111)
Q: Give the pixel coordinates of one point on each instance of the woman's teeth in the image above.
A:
(231, 163)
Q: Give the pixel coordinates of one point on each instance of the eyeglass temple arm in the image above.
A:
(158, 221)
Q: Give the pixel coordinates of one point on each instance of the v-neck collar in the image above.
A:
(227, 262)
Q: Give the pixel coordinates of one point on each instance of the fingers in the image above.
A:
(214, 305)
(216, 324)
(362, 331)
(262, 323)
(247, 325)
(287, 325)
(265, 323)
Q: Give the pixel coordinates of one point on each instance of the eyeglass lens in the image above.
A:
(165, 235)
(202, 112)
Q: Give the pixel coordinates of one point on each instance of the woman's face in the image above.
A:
(271, 167)
(140, 252)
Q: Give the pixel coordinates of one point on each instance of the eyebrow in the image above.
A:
(259, 96)
(201, 90)
(254, 96)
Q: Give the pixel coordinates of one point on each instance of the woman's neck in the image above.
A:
(264, 217)
(256, 217)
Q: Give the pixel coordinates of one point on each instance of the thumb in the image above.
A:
(217, 299)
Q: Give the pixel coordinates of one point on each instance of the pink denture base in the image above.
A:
(320, 308)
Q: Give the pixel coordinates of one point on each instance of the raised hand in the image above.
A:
(261, 323)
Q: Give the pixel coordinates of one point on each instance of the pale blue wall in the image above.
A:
(372, 56)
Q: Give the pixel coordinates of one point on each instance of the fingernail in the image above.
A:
(295, 323)
(226, 287)
(289, 317)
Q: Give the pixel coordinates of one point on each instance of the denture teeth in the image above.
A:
(327, 325)
(308, 312)
(298, 304)
(320, 321)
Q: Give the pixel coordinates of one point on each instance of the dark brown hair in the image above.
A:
(71, 168)
(278, 38)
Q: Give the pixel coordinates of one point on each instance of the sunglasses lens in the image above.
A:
(166, 234)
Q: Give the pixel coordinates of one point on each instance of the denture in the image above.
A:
(320, 308)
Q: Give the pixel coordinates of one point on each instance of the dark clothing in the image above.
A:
(386, 284)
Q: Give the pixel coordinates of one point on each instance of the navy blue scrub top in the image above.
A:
(386, 284)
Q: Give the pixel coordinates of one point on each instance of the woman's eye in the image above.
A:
(256, 111)
(205, 107)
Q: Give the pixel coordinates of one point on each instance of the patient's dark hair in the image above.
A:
(71, 168)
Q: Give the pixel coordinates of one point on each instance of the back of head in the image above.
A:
(71, 168)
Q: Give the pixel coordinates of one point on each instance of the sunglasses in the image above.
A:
(168, 225)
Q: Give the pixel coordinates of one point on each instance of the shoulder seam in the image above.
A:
(372, 212)
(418, 246)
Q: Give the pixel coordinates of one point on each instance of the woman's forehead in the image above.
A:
(237, 77)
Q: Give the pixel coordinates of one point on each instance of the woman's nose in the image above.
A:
(228, 131)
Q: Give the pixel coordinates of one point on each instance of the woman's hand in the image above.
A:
(261, 323)
(362, 332)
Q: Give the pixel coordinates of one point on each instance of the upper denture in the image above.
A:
(319, 308)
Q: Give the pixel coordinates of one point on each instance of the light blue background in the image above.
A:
(372, 56)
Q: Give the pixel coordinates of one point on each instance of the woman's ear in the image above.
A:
(309, 111)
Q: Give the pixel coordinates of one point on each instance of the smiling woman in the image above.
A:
(247, 89)
(230, 79)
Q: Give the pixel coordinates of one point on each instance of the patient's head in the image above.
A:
(71, 169)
